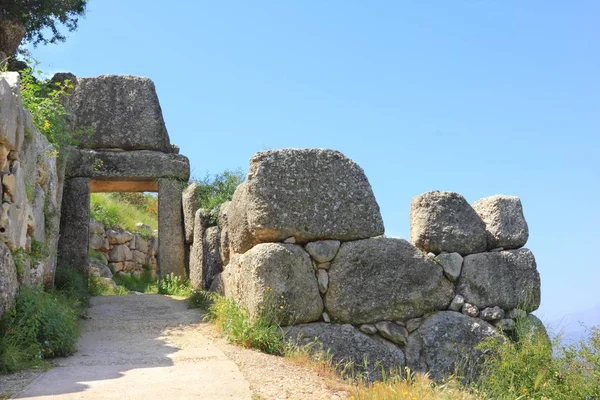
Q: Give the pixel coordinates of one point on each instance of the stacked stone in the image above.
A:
(30, 195)
(301, 240)
(125, 253)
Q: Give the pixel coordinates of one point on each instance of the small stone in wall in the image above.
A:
(324, 250)
(457, 303)
(516, 313)
(322, 280)
(393, 332)
(506, 325)
(116, 267)
(118, 237)
(369, 329)
(413, 324)
(400, 323)
(470, 310)
(290, 240)
(491, 314)
(325, 265)
(452, 265)
(326, 318)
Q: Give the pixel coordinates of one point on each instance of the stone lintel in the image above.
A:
(126, 165)
(99, 185)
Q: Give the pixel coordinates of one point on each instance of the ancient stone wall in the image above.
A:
(122, 252)
(30, 194)
(303, 240)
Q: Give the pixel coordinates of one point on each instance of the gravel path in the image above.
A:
(141, 347)
(152, 347)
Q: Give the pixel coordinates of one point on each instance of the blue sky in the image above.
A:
(479, 97)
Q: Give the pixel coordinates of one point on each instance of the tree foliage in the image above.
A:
(212, 191)
(43, 18)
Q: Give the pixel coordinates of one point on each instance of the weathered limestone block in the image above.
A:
(9, 285)
(141, 244)
(73, 242)
(128, 165)
(275, 277)
(375, 280)
(190, 206)
(445, 341)
(16, 214)
(118, 237)
(347, 344)
(10, 114)
(139, 257)
(308, 194)
(98, 269)
(120, 253)
(224, 228)
(171, 242)
(197, 253)
(445, 222)
(211, 264)
(324, 250)
(122, 111)
(507, 279)
(505, 223)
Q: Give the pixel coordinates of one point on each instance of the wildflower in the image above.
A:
(281, 307)
(46, 124)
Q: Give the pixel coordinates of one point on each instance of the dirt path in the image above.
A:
(152, 347)
(141, 347)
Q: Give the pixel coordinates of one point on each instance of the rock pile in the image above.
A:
(301, 240)
(30, 196)
(123, 252)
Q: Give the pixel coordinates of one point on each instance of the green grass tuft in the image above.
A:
(174, 285)
(113, 213)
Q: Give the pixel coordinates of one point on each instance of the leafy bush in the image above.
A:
(174, 285)
(199, 299)
(99, 288)
(42, 98)
(40, 325)
(216, 190)
(235, 323)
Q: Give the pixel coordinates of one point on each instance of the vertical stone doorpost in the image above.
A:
(73, 242)
(171, 232)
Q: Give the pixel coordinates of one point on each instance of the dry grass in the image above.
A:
(411, 387)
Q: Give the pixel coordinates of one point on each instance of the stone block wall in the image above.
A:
(303, 239)
(30, 195)
(125, 253)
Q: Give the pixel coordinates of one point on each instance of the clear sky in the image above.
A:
(479, 97)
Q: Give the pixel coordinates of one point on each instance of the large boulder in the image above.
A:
(447, 341)
(9, 285)
(120, 112)
(349, 348)
(277, 279)
(445, 222)
(10, 116)
(211, 265)
(507, 279)
(381, 279)
(224, 229)
(504, 220)
(308, 194)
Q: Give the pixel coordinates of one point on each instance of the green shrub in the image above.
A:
(99, 288)
(41, 325)
(199, 299)
(530, 369)
(237, 326)
(216, 190)
(174, 285)
(74, 286)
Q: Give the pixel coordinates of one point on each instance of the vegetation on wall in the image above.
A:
(43, 99)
